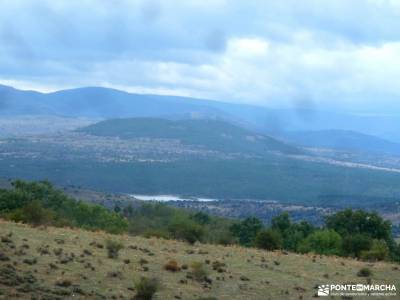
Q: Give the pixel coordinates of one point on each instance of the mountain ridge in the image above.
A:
(101, 102)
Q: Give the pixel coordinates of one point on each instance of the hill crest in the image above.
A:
(211, 133)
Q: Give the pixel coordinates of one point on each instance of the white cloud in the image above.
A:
(339, 53)
(247, 47)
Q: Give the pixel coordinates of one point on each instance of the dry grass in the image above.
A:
(82, 269)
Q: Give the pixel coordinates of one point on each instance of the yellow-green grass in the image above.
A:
(271, 275)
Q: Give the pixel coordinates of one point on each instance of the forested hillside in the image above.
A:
(211, 134)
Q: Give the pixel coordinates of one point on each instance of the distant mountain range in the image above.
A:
(97, 102)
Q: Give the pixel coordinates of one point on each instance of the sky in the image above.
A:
(337, 54)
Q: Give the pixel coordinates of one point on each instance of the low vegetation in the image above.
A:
(146, 288)
(45, 262)
(160, 220)
(350, 233)
(39, 203)
(135, 252)
(113, 248)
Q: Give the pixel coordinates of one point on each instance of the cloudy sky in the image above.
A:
(332, 53)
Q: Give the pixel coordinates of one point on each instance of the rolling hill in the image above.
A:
(199, 158)
(211, 134)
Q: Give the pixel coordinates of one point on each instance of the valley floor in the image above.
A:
(32, 266)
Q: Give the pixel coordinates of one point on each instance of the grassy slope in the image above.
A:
(267, 280)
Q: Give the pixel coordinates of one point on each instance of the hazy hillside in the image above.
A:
(63, 263)
(109, 103)
(16, 102)
(342, 140)
(211, 134)
(99, 103)
(30, 125)
(273, 178)
(199, 158)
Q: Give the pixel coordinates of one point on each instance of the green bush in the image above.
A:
(281, 222)
(221, 236)
(186, 229)
(326, 241)
(41, 203)
(201, 218)
(33, 213)
(349, 222)
(161, 220)
(295, 234)
(354, 245)
(268, 239)
(146, 288)
(246, 231)
(113, 248)
(379, 251)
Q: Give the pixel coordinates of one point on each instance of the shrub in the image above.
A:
(172, 266)
(113, 248)
(222, 237)
(350, 222)
(201, 218)
(379, 251)
(199, 271)
(186, 229)
(33, 213)
(268, 239)
(40, 203)
(354, 245)
(246, 231)
(326, 241)
(281, 222)
(292, 238)
(292, 233)
(364, 272)
(146, 288)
